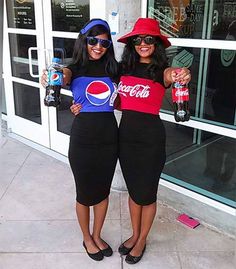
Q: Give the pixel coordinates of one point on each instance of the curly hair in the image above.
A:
(130, 58)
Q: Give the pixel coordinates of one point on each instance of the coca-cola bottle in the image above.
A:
(180, 98)
(55, 82)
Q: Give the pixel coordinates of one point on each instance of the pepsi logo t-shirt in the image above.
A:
(92, 88)
(139, 92)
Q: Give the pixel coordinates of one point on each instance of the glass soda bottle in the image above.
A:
(55, 82)
(180, 98)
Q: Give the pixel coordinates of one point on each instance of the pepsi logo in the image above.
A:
(98, 92)
(54, 76)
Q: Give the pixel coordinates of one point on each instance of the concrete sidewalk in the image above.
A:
(39, 230)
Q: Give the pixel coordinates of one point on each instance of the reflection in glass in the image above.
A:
(178, 18)
(210, 165)
(224, 20)
(220, 96)
(64, 115)
(184, 57)
(20, 14)
(178, 139)
(65, 45)
(69, 16)
(19, 45)
(27, 102)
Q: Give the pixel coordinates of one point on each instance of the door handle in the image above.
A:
(48, 56)
(31, 61)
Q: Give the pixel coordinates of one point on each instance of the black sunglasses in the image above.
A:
(149, 40)
(92, 41)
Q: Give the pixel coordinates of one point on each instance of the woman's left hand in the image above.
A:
(181, 75)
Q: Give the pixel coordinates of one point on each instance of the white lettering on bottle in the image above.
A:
(138, 90)
(181, 92)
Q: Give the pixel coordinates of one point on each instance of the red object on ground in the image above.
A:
(190, 222)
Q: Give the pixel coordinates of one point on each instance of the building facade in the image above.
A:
(201, 153)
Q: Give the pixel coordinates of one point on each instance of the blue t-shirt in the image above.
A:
(92, 88)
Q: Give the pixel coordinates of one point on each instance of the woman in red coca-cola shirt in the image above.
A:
(145, 77)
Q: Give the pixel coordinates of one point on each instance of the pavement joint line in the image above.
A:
(17, 172)
(4, 143)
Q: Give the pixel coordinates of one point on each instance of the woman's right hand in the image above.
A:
(66, 77)
(44, 78)
(75, 108)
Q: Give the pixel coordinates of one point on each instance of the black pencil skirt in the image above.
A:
(142, 154)
(93, 154)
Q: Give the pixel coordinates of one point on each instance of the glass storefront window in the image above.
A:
(64, 115)
(199, 160)
(66, 45)
(209, 165)
(179, 18)
(220, 91)
(69, 16)
(19, 45)
(217, 92)
(224, 20)
(179, 139)
(27, 102)
(20, 14)
(184, 57)
(185, 18)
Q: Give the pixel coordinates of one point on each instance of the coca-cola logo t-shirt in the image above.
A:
(140, 94)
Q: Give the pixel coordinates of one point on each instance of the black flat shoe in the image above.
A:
(133, 259)
(98, 256)
(123, 250)
(107, 252)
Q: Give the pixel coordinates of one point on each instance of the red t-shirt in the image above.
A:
(140, 94)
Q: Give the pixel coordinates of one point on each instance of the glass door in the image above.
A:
(23, 29)
(62, 22)
(48, 26)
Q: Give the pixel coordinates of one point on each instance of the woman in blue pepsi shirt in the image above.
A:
(93, 145)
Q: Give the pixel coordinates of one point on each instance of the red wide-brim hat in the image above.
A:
(146, 26)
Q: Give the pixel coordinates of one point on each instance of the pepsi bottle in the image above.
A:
(180, 98)
(55, 82)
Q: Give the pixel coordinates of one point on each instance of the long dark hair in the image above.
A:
(80, 53)
(130, 58)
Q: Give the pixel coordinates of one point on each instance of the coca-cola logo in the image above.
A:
(181, 92)
(138, 90)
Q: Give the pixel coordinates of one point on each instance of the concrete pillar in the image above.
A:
(118, 183)
(128, 12)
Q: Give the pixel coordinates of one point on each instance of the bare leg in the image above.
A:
(147, 217)
(135, 215)
(100, 211)
(83, 218)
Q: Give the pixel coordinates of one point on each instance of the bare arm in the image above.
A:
(67, 74)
